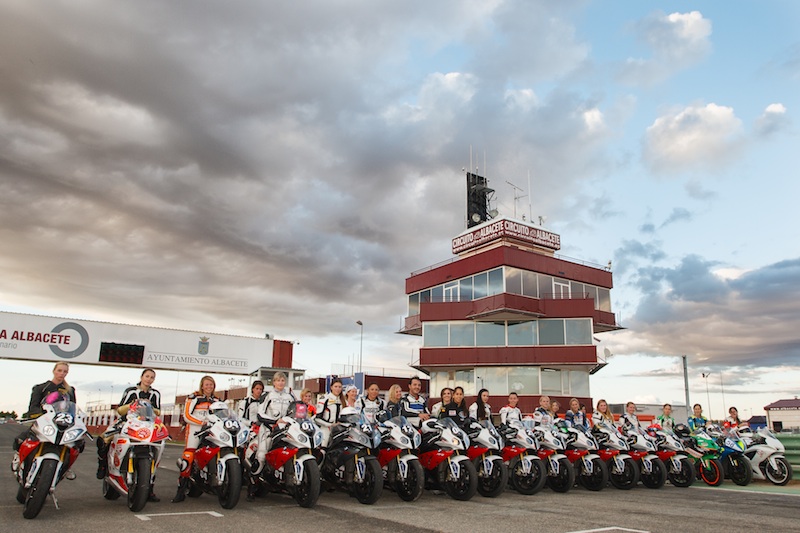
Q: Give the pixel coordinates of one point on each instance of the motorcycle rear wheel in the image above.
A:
(780, 476)
(684, 478)
(531, 483)
(565, 478)
(465, 487)
(139, 490)
(714, 474)
(740, 471)
(40, 488)
(230, 487)
(493, 486)
(598, 479)
(628, 478)
(657, 478)
(369, 490)
(306, 491)
(410, 488)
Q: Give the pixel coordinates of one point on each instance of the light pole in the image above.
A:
(708, 396)
(361, 348)
(722, 388)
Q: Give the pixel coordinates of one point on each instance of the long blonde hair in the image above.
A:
(206, 378)
(607, 415)
(394, 391)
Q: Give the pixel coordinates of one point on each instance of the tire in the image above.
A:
(139, 490)
(109, 492)
(740, 471)
(598, 479)
(306, 491)
(714, 475)
(684, 478)
(628, 478)
(565, 479)
(527, 484)
(411, 488)
(231, 487)
(40, 488)
(465, 487)
(657, 478)
(780, 476)
(368, 491)
(492, 487)
(22, 494)
(195, 488)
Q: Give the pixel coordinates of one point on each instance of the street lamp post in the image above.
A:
(361, 348)
(708, 396)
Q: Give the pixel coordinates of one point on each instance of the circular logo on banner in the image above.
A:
(81, 347)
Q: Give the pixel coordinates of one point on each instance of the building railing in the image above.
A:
(557, 256)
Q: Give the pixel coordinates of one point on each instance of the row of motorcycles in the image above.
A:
(364, 457)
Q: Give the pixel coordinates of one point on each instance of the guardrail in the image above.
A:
(792, 444)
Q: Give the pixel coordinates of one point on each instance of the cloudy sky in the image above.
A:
(253, 167)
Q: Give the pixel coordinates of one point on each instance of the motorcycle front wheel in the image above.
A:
(491, 486)
(598, 478)
(712, 473)
(686, 476)
(628, 478)
(410, 488)
(306, 490)
(656, 478)
(530, 483)
(565, 478)
(139, 490)
(370, 489)
(739, 469)
(231, 485)
(780, 475)
(40, 488)
(463, 488)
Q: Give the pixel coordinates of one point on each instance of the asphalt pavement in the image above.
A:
(82, 508)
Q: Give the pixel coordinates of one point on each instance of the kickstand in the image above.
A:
(55, 501)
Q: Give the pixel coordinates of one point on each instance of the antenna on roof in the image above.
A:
(517, 196)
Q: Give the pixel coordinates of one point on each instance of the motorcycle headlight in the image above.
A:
(302, 439)
(318, 439)
(72, 434)
(49, 431)
(456, 442)
(242, 438)
(404, 441)
(417, 440)
(225, 437)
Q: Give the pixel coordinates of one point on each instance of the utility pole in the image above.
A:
(686, 385)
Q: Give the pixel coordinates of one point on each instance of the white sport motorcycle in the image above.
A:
(402, 470)
(766, 455)
(134, 453)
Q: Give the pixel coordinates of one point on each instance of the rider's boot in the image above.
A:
(102, 458)
(183, 487)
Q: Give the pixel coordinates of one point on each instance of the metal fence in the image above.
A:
(792, 444)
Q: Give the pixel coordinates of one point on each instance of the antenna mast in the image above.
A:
(517, 196)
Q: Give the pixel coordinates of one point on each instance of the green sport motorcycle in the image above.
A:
(706, 453)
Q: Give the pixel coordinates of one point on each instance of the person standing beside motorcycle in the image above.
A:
(328, 409)
(446, 396)
(697, 420)
(461, 403)
(480, 408)
(733, 418)
(665, 419)
(511, 412)
(629, 419)
(542, 416)
(371, 404)
(602, 415)
(393, 398)
(306, 396)
(413, 405)
(575, 415)
(554, 407)
(195, 411)
(351, 397)
(248, 407)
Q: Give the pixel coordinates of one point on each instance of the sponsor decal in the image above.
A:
(56, 338)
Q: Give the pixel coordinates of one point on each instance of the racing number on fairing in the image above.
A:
(306, 426)
(63, 418)
(366, 428)
(231, 424)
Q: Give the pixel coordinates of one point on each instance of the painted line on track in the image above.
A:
(146, 517)
(612, 528)
(747, 490)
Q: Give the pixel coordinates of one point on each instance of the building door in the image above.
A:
(560, 289)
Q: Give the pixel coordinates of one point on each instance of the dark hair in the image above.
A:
(341, 394)
(463, 404)
(256, 382)
(481, 405)
(441, 394)
(514, 393)
(412, 378)
(666, 405)
(697, 405)
(142, 374)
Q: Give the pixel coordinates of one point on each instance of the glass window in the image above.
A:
(465, 288)
(523, 379)
(413, 304)
(551, 332)
(530, 286)
(425, 296)
(437, 294)
(565, 382)
(560, 288)
(579, 383)
(439, 380)
(462, 334)
(513, 280)
(494, 379)
(451, 292)
(545, 286)
(479, 286)
(578, 331)
(466, 379)
(490, 334)
(495, 282)
(520, 334)
(576, 289)
(551, 381)
(434, 335)
(604, 297)
(592, 292)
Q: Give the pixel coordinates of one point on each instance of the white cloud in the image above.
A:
(697, 135)
(772, 120)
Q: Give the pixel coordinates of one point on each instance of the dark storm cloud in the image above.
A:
(749, 321)
(265, 164)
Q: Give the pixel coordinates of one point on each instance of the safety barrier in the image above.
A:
(792, 444)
